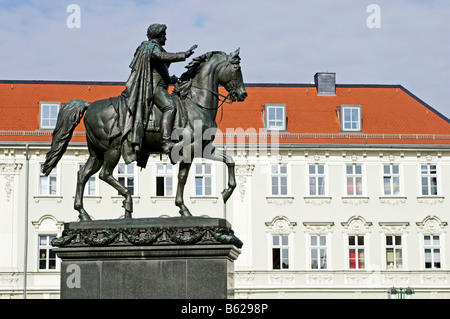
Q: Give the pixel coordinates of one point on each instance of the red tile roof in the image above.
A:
(390, 114)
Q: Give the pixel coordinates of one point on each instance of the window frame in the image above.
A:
(54, 173)
(42, 105)
(433, 247)
(392, 175)
(267, 109)
(126, 176)
(318, 248)
(282, 249)
(341, 117)
(357, 248)
(317, 175)
(428, 176)
(203, 175)
(395, 247)
(354, 175)
(165, 175)
(49, 251)
(279, 177)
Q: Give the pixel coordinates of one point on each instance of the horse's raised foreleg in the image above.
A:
(111, 158)
(219, 156)
(182, 178)
(91, 167)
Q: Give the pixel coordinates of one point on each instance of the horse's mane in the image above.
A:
(183, 87)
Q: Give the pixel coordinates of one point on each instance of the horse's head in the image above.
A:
(230, 76)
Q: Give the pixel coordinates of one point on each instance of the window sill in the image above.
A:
(355, 200)
(392, 200)
(56, 198)
(430, 199)
(204, 198)
(317, 200)
(96, 198)
(155, 199)
(115, 199)
(280, 200)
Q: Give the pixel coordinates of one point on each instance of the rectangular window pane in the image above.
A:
(276, 258)
(159, 186)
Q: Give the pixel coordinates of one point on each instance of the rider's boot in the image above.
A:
(166, 130)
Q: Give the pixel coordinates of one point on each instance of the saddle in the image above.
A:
(152, 125)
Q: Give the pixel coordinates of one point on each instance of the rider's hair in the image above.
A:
(155, 30)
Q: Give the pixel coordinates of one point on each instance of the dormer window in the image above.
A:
(350, 118)
(48, 114)
(275, 117)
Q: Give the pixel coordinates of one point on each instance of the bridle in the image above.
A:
(230, 87)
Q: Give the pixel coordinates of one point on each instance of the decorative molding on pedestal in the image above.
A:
(145, 232)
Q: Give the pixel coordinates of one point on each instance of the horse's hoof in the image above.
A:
(185, 212)
(226, 193)
(84, 217)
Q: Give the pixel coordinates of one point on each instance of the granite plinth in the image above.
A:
(199, 268)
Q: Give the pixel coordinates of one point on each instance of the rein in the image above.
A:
(216, 94)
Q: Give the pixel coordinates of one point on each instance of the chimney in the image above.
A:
(325, 83)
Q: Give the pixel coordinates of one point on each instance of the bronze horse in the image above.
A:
(198, 101)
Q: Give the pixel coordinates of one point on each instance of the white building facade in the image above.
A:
(318, 220)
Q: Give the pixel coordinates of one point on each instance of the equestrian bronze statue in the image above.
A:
(196, 101)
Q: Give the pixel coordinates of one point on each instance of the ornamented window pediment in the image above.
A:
(356, 225)
(394, 228)
(318, 227)
(432, 225)
(281, 225)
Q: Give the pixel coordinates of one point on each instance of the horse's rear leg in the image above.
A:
(219, 156)
(111, 158)
(182, 178)
(91, 167)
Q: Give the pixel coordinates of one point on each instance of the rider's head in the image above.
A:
(156, 31)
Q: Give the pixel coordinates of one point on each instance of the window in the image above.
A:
(275, 117)
(354, 179)
(391, 180)
(47, 258)
(316, 179)
(203, 179)
(350, 117)
(126, 177)
(318, 252)
(432, 248)
(164, 180)
(280, 252)
(48, 184)
(90, 189)
(356, 252)
(394, 252)
(428, 175)
(48, 114)
(279, 179)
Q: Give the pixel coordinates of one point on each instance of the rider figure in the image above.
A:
(149, 82)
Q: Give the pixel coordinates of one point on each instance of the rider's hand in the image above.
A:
(191, 51)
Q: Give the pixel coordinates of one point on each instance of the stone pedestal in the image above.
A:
(161, 258)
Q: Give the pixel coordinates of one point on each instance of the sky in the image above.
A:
(402, 42)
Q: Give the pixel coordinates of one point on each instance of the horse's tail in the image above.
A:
(69, 117)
